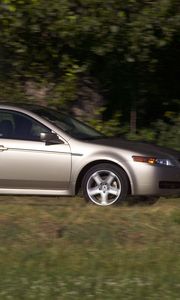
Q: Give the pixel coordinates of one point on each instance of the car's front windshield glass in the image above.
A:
(68, 124)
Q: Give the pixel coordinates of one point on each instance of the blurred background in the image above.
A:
(114, 64)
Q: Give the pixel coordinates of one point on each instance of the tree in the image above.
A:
(127, 50)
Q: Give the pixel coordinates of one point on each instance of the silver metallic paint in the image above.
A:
(31, 167)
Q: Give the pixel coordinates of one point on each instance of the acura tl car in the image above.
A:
(46, 152)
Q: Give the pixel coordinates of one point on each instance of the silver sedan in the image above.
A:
(45, 152)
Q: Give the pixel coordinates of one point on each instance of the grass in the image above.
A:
(63, 249)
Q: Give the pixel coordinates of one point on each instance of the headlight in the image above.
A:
(154, 160)
(164, 162)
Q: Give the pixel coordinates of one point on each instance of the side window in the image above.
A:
(6, 124)
(14, 125)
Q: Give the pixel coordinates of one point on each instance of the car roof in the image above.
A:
(31, 107)
(20, 105)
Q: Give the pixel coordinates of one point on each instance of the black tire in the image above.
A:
(105, 184)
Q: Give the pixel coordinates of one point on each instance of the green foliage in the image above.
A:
(110, 127)
(122, 44)
(11, 91)
(64, 90)
(168, 134)
(164, 133)
(144, 134)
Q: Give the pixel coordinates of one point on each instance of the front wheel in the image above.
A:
(105, 184)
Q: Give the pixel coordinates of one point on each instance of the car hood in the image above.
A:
(141, 147)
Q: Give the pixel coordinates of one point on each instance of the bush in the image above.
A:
(162, 132)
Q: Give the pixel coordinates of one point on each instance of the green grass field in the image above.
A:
(62, 248)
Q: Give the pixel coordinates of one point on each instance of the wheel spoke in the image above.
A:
(97, 178)
(110, 178)
(104, 198)
(113, 191)
(94, 191)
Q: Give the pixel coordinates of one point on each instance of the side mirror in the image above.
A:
(50, 138)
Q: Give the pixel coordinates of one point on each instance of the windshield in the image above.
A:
(68, 124)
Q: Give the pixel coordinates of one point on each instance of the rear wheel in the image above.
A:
(105, 184)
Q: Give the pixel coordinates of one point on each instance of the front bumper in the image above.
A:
(156, 180)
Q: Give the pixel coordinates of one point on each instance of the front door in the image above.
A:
(28, 163)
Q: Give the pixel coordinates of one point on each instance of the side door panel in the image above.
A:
(34, 165)
(26, 162)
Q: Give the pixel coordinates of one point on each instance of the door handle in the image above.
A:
(2, 148)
